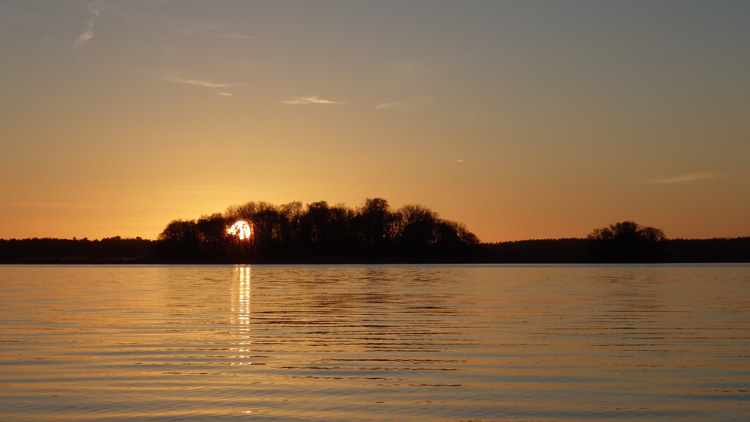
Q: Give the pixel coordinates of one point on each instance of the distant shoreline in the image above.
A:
(114, 251)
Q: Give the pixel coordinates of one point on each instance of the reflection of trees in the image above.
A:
(317, 231)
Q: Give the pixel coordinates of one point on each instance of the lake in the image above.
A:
(443, 343)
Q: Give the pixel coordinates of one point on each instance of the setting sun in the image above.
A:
(241, 229)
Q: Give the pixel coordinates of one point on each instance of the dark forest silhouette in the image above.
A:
(74, 251)
(318, 232)
(372, 233)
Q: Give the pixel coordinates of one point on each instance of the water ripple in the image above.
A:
(407, 343)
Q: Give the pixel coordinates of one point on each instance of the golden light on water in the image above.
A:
(241, 295)
(241, 229)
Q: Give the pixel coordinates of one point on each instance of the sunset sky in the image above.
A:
(521, 119)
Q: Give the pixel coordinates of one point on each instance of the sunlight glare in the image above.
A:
(241, 229)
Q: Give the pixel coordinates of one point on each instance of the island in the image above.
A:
(374, 233)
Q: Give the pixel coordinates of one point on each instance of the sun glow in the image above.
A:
(241, 229)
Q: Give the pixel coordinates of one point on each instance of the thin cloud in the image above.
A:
(198, 82)
(219, 88)
(309, 101)
(684, 178)
(396, 105)
(94, 8)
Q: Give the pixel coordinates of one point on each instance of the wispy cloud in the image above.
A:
(220, 88)
(94, 8)
(309, 101)
(684, 178)
(198, 82)
(396, 105)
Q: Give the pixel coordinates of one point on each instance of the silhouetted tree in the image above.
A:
(465, 237)
(341, 230)
(212, 232)
(375, 223)
(180, 239)
(627, 241)
(267, 228)
(416, 227)
(316, 224)
(290, 220)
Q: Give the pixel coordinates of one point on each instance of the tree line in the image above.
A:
(373, 233)
(622, 242)
(54, 251)
(318, 232)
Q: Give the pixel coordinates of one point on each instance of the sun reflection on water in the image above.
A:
(241, 309)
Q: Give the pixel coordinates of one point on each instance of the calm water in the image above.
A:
(373, 343)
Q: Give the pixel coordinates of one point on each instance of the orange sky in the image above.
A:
(520, 119)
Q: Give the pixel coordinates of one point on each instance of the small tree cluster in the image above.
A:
(317, 231)
(627, 242)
